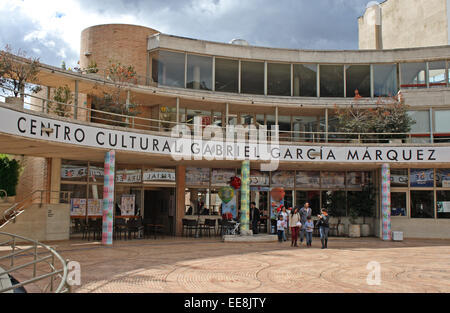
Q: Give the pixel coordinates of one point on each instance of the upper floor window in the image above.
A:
(358, 78)
(305, 80)
(384, 80)
(279, 79)
(227, 75)
(331, 81)
(413, 75)
(171, 69)
(199, 72)
(436, 72)
(252, 77)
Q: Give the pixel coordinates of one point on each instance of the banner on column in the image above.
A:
(386, 201)
(108, 197)
(230, 207)
(245, 195)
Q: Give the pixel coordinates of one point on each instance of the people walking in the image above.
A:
(285, 219)
(294, 224)
(309, 225)
(324, 227)
(281, 224)
(304, 213)
(255, 216)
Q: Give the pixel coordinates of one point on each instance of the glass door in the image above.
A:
(399, 203)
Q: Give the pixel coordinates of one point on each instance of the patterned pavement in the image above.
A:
(208, 265)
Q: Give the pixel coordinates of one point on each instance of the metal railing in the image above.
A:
(164, 126)
(28, 260)
(18, 208)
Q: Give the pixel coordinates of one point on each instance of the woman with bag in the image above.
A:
(294, 224)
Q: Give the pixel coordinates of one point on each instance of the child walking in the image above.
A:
(281, 223)
(309, 225)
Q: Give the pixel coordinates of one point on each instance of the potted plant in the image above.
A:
(16, 71)
(354, 229)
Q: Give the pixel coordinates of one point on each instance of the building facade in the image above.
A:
(180, 81)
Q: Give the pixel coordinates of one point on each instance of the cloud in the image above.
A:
(54, 27)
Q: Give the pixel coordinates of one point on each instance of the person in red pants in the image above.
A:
(294, 224)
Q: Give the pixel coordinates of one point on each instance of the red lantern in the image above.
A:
(235, 182)
(277, 193)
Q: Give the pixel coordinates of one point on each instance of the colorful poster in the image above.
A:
(333, 179)
(78, 207)
(68, 172)
(108, 197)
(230, 207)
(156, 174)
(386, 201)
(422, 177)
(276, 201)
(283, 179)
(128, 176)
(197, 176)
(127, 205)
(94, 207)
(443, 207)
(222, 177)
(308, 179)
(258, 178)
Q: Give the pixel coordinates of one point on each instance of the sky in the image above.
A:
(51, 29)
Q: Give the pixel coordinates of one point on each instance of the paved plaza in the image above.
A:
(209, 265)
(202, 265)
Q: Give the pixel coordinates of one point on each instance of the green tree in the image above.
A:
(63, 98)
(9, 173)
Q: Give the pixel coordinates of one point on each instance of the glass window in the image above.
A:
(422, 204)
(398, 204)
(247, 118)
(77, 191)
(197, 201)
(443, 203)
(171, 69)
(384, 80)
(443, 178)
(227, 75)
(422, 119)
(199, 72)
(284, 123)
(252, 77)
(441, 121)
(422, 177)
(399, 178)
(259, 178)
(358, 77)
(305, 80)
(335, 202)
(304, 126)
(128, 201)
(197, 176)
(307, 179)
(278, 79)
(358, 179)
(222, 177)
(413, 75)
(96, 172)
(312, 197)
(331, 81)
(333, 179)
(436, 71)
(74, 170)
(260, 119)
(283, 179)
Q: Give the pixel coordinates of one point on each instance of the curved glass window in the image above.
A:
(331, 81)
(358, 77)
(384, 80)
(199, 72)
(436, 71)
(227, 75)
(413, 75)
(171, 69)
(279, 79)
(252, 77)
(305, 80)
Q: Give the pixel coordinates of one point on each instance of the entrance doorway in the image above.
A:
(311, 196)
(159, 208)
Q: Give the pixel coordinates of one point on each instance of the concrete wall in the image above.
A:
(421, 228)
(42, 223)
(120, 42)
(406, 24)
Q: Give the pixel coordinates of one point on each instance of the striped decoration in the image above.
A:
(245, 196)
(108, 198)
(386, 201)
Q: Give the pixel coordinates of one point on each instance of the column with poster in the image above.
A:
(386, 201)
(245, 197)
(108, 197)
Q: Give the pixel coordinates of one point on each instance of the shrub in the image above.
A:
(9, 174)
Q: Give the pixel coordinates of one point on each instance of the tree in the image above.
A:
(9, 172)
(63, 98)
(389, 116)
(361, 203)
(17, 73)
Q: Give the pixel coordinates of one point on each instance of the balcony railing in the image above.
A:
(163, 127)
